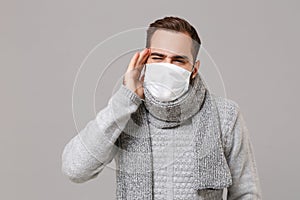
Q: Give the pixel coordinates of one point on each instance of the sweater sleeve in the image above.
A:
(241, 161)
(86, 154)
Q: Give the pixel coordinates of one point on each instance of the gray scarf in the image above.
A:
(135, 170)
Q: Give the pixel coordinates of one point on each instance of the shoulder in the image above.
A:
(228, 111)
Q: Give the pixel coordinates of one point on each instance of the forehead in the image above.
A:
(171, 43)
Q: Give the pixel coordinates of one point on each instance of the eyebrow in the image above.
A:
(176, 56)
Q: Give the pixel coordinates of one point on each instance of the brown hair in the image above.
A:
(175, 24)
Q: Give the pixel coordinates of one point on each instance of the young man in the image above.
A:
(170, 137)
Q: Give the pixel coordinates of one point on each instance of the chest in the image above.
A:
(173, 163)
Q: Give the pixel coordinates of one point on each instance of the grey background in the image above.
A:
(42, 44)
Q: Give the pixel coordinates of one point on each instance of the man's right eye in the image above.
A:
(156, 58)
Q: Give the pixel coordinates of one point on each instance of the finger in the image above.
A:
(133, 61)
(146, 56)
(142, 57)
(141, 64)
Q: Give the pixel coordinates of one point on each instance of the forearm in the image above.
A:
(77, 162)
(87, 153)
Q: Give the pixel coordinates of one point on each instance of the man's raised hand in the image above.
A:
(132, 75)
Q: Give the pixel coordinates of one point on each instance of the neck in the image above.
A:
(173, 113)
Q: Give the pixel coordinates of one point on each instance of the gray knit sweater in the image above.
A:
(86, 154)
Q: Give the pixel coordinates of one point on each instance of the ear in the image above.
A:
(196, 68)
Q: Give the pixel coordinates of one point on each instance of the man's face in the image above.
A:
(172, 47)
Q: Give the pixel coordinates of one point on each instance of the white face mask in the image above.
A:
(165, 81)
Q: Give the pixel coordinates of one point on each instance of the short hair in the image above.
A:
(178, 25)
